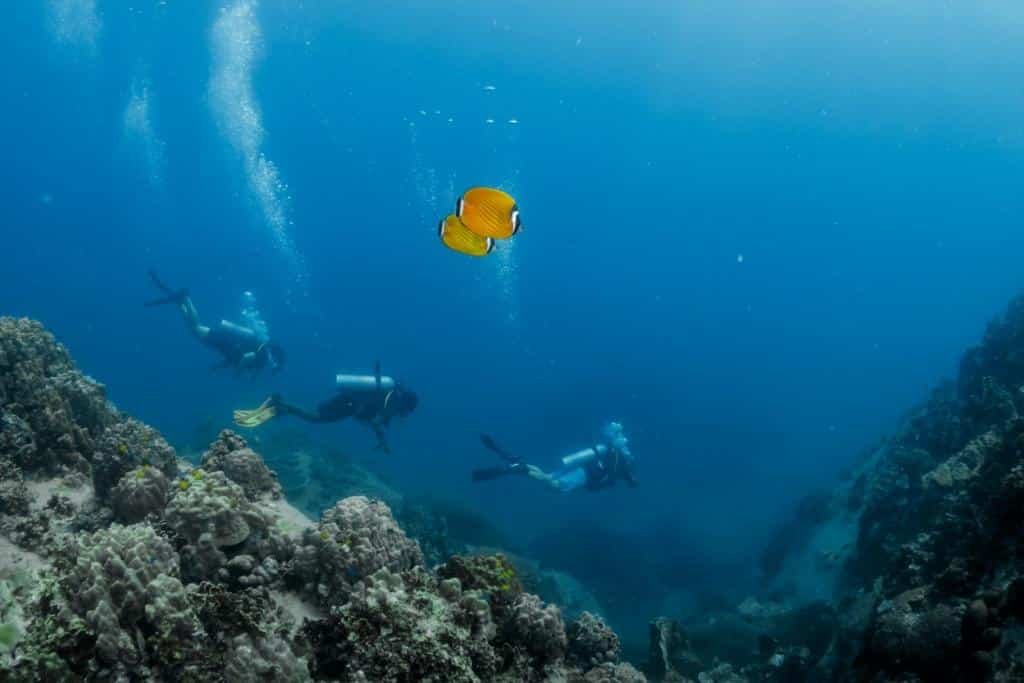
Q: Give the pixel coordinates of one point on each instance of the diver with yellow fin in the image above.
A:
(591, 469)
(372, 400)
(244, 347)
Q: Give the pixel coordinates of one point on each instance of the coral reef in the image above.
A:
(591, 642)
(140, 493)
(14, 498)
(208, 502)
(407, 627)
(125, 445)
(537, 628)
(50, 413)
(493, 575)
(226, 537)
(353, 540)
(119, 562)
(231, 455)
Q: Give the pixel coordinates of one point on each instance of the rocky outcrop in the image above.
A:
(918, 552)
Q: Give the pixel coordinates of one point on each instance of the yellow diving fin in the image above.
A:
(254, 418)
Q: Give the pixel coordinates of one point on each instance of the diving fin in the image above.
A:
(171, 296)
(492, 446)
(491, 473)
(175, 298)
(254, 418)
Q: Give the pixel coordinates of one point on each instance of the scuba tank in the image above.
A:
(359, 383)
(240, 331)
(616, 439)
(580, 458)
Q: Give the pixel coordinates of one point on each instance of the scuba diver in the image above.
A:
(370, 399)
(591, 469)
(245, 347)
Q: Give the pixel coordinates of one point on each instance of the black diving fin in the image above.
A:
(171, 296)
(492, 446)
(490, 473)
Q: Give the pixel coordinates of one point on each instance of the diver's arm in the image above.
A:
(382, 439)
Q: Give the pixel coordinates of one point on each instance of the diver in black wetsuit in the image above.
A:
(370, 400)
(242, 347)
(592, 469)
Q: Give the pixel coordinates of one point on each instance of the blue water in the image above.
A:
(754, 232)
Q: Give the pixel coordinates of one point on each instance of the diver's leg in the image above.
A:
(562, 481)
(299, 412)
(489, 473)
(540, 475)
(191, 316)
(336, 409)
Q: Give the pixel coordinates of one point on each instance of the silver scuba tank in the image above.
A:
(580, 458)
(363, 382)
(239, 330)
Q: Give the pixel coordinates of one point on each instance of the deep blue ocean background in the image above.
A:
(754, 232)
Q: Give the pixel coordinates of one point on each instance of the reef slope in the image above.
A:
(912, 569)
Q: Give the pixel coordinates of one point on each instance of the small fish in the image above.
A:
(489, 88)
(489, 212)
(513, 121)
(456, 236)
(488, 121)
